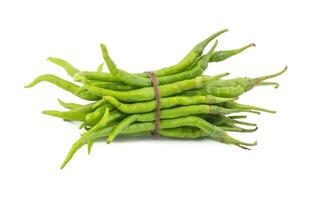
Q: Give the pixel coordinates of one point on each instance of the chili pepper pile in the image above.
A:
(192, 105)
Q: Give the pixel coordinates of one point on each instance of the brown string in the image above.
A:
(154, 81)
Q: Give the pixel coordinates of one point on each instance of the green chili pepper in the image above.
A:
(65, 85)
(68, 105)
(223, 55)
(70, 69)
(76, 114)
(166, 102)
(189, 59)
(233, 87)
(145, 94)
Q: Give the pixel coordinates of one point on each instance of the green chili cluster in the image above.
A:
(193, 105)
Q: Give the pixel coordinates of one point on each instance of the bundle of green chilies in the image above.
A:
(190, 105)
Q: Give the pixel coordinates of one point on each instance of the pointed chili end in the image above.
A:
(65, 162)
(253, 130)
(76, 146)
(60, 101)
(31, 84)
(244, 145)
(219, 33)
(213, 47)
(28, 86)
(90, 144)
(100, 68)
(245, 130)
(110, 139)
(51, 112)
(51, 59)
(258, 80)
(104, 50)
(276, 85)
(245, 47)
(250, 144)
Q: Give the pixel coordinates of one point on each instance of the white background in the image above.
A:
(145, 35)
